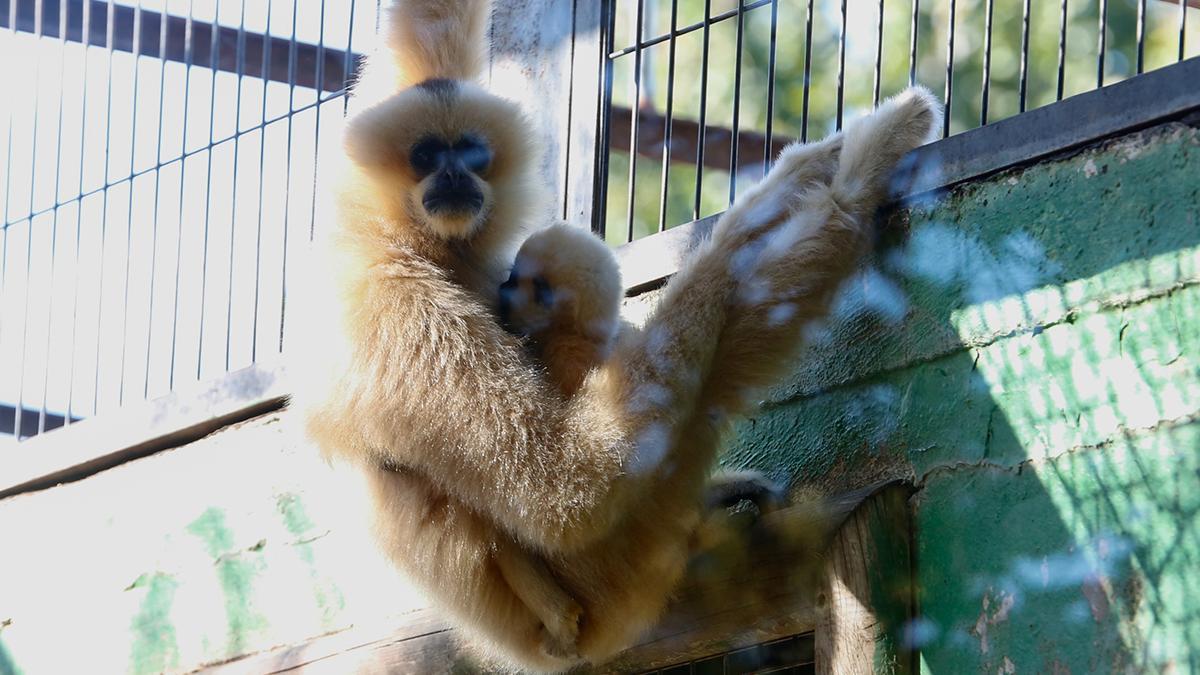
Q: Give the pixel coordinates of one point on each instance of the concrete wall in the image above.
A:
(1024, 348)
(1029, 355)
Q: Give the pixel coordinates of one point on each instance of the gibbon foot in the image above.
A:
(559, 635)
(743, 490)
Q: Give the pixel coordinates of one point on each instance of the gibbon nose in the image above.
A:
(453, 190)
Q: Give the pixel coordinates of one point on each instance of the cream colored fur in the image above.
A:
(526, 514)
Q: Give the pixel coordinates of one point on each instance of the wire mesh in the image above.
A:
(159, 163)
(760, 74)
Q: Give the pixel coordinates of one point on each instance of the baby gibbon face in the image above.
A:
(439, 153)
(564, 279)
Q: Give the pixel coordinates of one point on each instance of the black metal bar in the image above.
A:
(337, 75)
(1062, 50)
(262, 147)
(737, 101)
(237, 126)
(8, 172)
(912, 45)
(1023, 88)
(768, 132)
(137, 17)
(666, 153)
(38, 31)
(567, 188)
(212, 109)
(703, 110)
(1102, 39)
(699, 25)
(62, 70)
(187, 87)
(841, 74)
(987, 62)
(603, 123)
(1182, 27)
(287, 181)
(79, 223)
(949, 70)
(878, 56)
(637, 105)
(808, 31)
(162, 80)
(1141, 36)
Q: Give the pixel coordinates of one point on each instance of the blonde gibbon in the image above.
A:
(551, 528)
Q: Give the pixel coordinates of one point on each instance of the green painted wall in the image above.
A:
(1029, 355)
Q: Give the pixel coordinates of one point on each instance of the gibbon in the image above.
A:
(551, 528)
(564, 294)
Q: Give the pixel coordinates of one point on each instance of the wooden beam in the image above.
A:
(785, 584)
(685, 139)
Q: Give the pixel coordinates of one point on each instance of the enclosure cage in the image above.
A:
(162, 157)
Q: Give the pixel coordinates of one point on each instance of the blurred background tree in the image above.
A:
(1161, 47)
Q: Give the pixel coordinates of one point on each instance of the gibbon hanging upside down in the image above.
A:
(548, 508)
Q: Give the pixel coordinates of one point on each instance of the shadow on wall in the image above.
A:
(1027, 354)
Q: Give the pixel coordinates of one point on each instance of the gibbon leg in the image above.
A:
(536, 586)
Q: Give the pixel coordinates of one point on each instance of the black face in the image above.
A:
(453, 166)
(543, 295)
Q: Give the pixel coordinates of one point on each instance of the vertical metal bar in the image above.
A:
(1102, 40)
(347, 62)
(312, 213)
(214, 47)
(808, 26)
(239, 67)
(841, 76)
(571, 84)
(287, 180)
(111, 16)
(912, 45)
(603, 123)
(137, 57)
(768, 154)
(737, 99)
(987, 62)
(62, 74)
(1023, 93)
(635, 116)
(187, 86)
(949, 70)
(158, 163)
(1141, 36)
(878, 57)
(1062, 50)
(669, 113)
(262, 146)
(1182, 28)
(86, 30)
(703, 135)
(37, 31)
(12, 24)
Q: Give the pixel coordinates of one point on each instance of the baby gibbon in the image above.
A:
(552, 529)
(564, 293)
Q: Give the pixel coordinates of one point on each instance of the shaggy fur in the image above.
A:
(552, 529)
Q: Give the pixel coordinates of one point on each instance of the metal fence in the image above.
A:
(700, 94)
(160, 159)
(161, 155)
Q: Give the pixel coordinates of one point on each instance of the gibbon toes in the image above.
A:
(737, 490)
(559, 635)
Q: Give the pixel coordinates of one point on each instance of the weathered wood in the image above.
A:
(868, 598)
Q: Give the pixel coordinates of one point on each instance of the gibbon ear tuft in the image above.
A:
(438, 39)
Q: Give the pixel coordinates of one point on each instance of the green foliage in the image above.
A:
(862, 17)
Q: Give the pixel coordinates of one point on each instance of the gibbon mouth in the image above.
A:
(459, 203)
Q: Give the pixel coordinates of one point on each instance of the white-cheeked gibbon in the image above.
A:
(548, 508)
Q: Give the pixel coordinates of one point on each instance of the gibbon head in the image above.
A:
(441, 154)
(564, 279)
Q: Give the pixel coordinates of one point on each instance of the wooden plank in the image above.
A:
(868, 599)
(771, 593)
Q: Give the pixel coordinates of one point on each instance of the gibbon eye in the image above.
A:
(427, 155)
(474, 153)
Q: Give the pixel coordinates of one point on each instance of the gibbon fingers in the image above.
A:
(551, 528)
